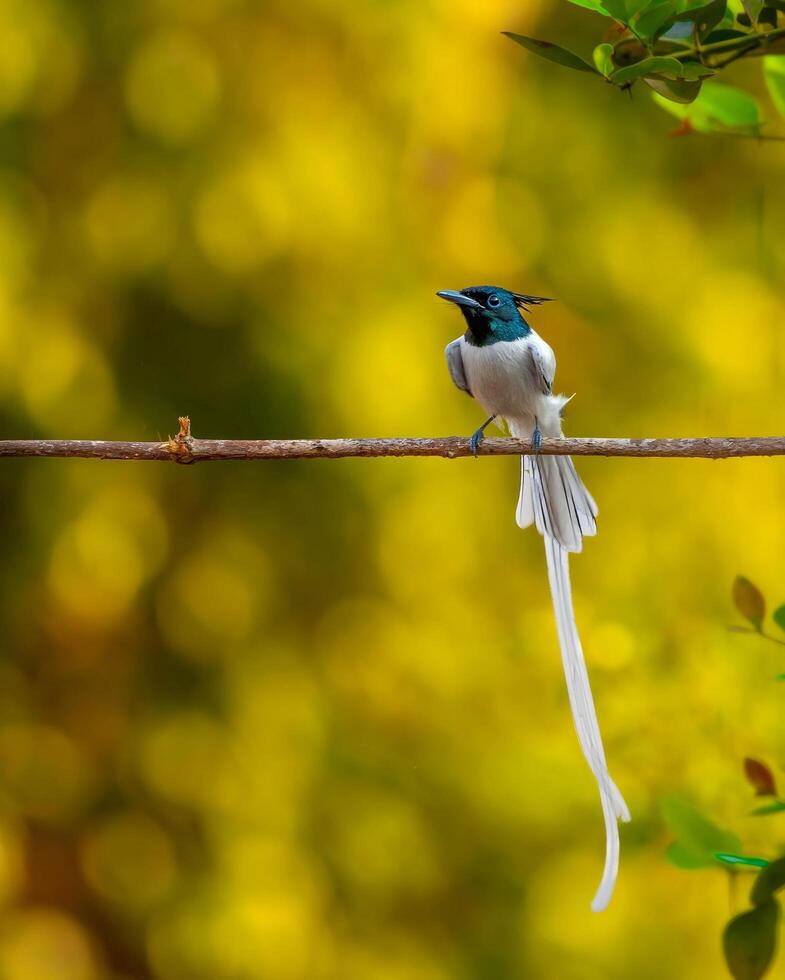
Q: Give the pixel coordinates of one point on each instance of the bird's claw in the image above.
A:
(479, 435)
(476, 439)
(537, 437)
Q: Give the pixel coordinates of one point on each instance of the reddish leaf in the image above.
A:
(761, 777)
(749, 601)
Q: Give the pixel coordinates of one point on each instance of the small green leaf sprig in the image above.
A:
(749, 939)
(676, 47)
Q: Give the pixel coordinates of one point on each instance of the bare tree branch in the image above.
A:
(184, 448)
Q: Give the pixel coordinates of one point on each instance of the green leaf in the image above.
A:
(654, 19)
(624, 10)
(697, 837)
(753, 9)
(674, 90)
(649, 66)
(721, 108)
(591, 5)
(777, 807)
(749, 941)
(706, 17)
(749, 862)
(761, 777)
(551, 52)
(747, 597)
(694, 69)
(686, 859)
(603, 60)
(725, 34)
(774, 73)
(779, 614)
(768, 882)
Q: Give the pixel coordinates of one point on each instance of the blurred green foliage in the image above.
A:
(307, 720)
(749, 939)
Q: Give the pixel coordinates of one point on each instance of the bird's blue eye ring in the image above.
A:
(493, 300)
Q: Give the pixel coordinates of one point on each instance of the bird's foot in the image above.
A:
(536, 436)
(479, 435)
(476, 439)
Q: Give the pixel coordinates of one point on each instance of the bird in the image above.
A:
(509, 369)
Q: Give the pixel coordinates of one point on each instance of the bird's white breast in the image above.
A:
(503, 378)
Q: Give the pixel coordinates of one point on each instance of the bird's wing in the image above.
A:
(543, 363)
(455, 364)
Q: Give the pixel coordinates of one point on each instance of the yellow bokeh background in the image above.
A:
(307, 720)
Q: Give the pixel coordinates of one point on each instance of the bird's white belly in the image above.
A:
(501, 378)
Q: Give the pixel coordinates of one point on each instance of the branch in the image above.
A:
(183, 448)
(766, 43)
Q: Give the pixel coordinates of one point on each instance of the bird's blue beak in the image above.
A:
(452, 296)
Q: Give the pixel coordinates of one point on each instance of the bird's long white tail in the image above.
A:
(554, 499)
(585, 716)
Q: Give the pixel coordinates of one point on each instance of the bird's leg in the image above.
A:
(479, 435)
(536, 435)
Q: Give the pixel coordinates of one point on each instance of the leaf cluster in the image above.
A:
(676, 47)
(749, 939)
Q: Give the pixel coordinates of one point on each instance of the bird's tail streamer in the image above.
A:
(555, 500)
(585, 716)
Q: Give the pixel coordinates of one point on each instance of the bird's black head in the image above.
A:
(492, 314)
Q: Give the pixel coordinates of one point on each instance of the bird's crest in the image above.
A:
(522, 301)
